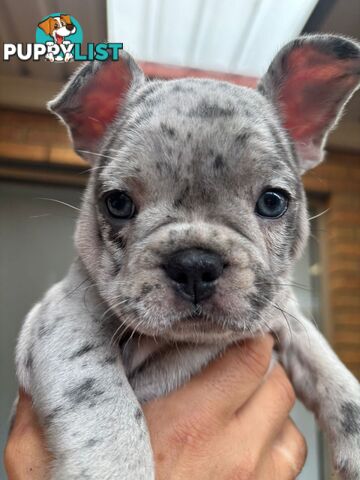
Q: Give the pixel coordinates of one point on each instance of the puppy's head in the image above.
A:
(58, 27)
(195, 211)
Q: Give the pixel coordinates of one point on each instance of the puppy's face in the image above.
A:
(198, 212)
(195, 212)
(58, 27)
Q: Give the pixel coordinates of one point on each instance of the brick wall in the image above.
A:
(34, 147)
(338, 178)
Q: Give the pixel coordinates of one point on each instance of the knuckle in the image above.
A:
(301, 450)
(9, 455)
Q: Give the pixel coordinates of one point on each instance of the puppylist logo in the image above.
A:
(59, 38)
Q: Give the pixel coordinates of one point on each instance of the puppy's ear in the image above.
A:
(93, 98)
(309, 82)
(66, 19)
(47, 25)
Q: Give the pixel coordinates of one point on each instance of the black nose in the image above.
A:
(69, 26)
(194, 272)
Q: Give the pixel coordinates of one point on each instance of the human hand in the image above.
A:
(229, 422)
(26, 456)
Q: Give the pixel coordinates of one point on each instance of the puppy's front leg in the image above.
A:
(66, 360)
(326, 387)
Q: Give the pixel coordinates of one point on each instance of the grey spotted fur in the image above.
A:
(195, 155)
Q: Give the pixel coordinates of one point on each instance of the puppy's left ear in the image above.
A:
(94, 97)
(66, 19)
(309, 82)
(47, 25)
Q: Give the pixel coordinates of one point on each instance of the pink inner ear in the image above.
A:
(100, 101)
(311, 91)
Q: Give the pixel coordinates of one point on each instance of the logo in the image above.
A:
(59, 38)
(59, 33)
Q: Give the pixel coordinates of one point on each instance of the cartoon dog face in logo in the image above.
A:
(58, 28)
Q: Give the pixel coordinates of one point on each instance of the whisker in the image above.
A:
(60, 202)
(285, 285)
(98, 154)
(40, 216)
(319, 215)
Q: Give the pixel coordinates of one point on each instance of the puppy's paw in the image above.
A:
(346, 450)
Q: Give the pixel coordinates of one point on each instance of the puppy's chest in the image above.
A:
(137, 351)
(155, 368)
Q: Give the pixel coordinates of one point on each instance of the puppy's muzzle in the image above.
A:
(194, 273)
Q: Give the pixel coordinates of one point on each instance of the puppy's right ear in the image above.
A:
(93, 98)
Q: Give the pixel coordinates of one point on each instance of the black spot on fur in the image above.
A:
(242, 137)
(261, 89)
(167, 130)
(54, 413)
(256, 301)
(177, 88)
(204, 109)
(219, 162)
(91, 442)
(351, 418)
(138, 414)
(29, 361)
(43, 331)
(181, 198)
(146, 93)
(265, 290)
(82, 351)
(158, 165)
(84, 392)
(146, 288)
(110, 360)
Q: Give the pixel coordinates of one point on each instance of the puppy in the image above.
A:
(189, 230)
(58, 28)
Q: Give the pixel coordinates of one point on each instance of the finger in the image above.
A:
(287, 454)
(268, 408)
(24, 411)
(25, 454)
(227, 383)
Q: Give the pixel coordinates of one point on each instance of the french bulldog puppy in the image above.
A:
(190, 226)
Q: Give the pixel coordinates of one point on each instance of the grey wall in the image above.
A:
(35, 251)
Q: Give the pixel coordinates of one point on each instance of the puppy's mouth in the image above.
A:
(59, 38)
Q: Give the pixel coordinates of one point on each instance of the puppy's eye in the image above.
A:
(272, 204)
(119, 205)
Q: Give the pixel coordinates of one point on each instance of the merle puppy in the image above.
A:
(190, 226)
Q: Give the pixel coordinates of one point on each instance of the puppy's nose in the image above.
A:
(194, 272)
(70, 27)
